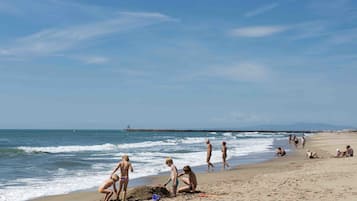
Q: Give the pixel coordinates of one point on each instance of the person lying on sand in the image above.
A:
(311, 155)
(124, 166)
(280, 151)
(191, 181)
(104, 187)
(173, 176)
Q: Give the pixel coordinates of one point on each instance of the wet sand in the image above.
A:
(288, 178)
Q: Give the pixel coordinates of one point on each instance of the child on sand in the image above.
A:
(173, 176)
(124, 166)
(104, 187)
(191, 181)
(224, 155)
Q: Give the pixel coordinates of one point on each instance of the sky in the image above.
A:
(177, 64)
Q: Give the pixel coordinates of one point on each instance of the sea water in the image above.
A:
(35, 163)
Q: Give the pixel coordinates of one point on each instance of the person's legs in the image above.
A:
(184, 189)
(119, 190)
(108, 195)
(186, 181)
(125, 187)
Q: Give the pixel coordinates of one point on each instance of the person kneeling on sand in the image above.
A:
(191, 181)
(280, 152)
(311, 155)
(104, 187)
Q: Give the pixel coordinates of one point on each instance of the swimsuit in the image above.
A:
(124, 178)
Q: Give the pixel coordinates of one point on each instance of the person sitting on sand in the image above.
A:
(104, 187)
(173, 176)
(348, 152)
(124, 166)
(280, 151)
(191, 181)
(311, 155)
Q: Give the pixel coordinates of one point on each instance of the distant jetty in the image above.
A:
(218, 130)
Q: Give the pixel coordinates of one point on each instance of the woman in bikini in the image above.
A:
(124, 166)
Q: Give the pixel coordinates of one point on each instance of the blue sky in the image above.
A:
(177, 64)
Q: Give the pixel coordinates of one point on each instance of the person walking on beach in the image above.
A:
(191, 181)
(224, 155)
(209, 154)
(107, 184)
(296, 141)
(173, 176)
(124, 166)
(303, 142)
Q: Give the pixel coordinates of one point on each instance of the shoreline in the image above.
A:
(286, 178)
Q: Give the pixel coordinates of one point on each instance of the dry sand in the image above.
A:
(288, 178)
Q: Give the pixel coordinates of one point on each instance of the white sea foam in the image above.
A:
(146, 144)
(227, 134)
(75, 148)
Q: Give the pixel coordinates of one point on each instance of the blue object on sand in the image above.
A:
(155, 197)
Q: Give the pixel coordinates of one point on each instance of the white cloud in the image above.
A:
(257, 31)
(261, 10)
(55, 40)
(245, 71)
(93, 59)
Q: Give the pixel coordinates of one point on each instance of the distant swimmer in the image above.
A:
(124, 166)
(224, 155)
(209, 154)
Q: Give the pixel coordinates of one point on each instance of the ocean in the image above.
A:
(36, 163)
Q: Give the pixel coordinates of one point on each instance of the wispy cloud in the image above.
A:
(93, 59)
(55, 40)
(261, 10)
(246, 71)
(257, 31)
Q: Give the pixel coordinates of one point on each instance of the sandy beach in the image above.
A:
(288, 178)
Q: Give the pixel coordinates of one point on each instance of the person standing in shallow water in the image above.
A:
(209, 154)
(224, 155)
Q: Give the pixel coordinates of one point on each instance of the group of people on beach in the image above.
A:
(123, 180)
(191, 181)
(347, 153)
(311, 154)
(209, 155)
(125, 166)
